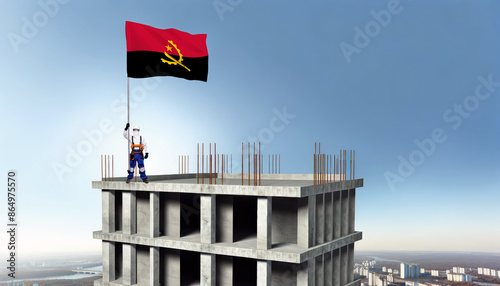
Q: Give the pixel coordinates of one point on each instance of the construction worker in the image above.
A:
(139, 147)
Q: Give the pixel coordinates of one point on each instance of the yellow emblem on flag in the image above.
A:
(174, 61)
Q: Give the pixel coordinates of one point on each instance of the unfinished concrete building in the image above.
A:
(289, 230)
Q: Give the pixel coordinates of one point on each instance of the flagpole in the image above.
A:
(128, 118)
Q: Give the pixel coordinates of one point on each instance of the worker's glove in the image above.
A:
(145, 157)
(127, 126)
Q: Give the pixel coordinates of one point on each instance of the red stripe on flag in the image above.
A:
(146, 38)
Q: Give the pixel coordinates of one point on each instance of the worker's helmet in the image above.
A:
(136, 127)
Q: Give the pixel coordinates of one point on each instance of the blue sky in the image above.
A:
(404, 77)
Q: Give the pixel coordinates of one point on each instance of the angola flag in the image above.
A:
(165, 52)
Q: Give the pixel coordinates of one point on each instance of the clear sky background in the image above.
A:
(63, 74)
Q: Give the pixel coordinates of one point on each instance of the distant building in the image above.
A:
(457, 277)
(390, 278)
(448, 271)
(409, 270)
(405, 269)
(384, 269)
(488, 271)
(413, 283)
(435, 272)
(422, 271)
(389, 270)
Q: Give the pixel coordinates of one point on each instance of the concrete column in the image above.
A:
(306, 221)
(344, 217)
(171, 267)
(328, 268)
(129, 211)
(336, 267)
(154, 214)
(350, 263)
(264, 222)
(328, 217)
(337, 214)
(108, 261)
(108, 211)
(207, 224)
(320, 271)
(306, 273)
(224, 270)
(344, 266)
(172, 214)
(225, 219)
(154, 266)
(352, 207)
(129, 264)
(320, 219)
(207, 269)
(263, 273)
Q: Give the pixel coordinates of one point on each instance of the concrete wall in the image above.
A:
(143, 265)
(283, 274)
(170, 214)
(170, 267)
(224, 270)
(143, 213)
(224, 219)
(284, 220)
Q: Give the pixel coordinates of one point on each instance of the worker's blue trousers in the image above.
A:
(137, 159)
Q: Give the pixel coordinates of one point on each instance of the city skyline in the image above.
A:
(417, 100)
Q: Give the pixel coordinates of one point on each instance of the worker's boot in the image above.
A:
(128, 180)
(145, 181)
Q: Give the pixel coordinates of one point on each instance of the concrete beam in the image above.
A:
(306, 273)
(306, 228)
(207, 224)
(352, 208)
(129, 211)
(108, 261)
(154, 214)
(108, 211)
(320, 271)
(336, 267)
(337, 214)
(328, 266)
(350, 263)
(207, 269)
(129, 264)
(320, 219)
(344, 265)
(264, 222)
(345, 213)
(264, 276)
(225, 219)
(328, 217)
(154, 266)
